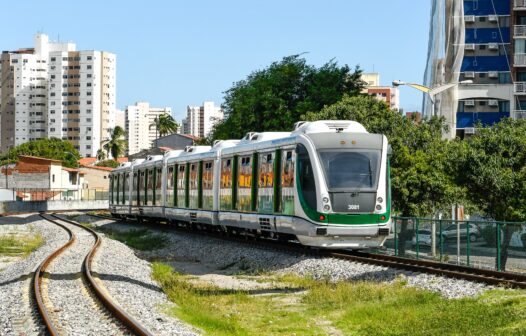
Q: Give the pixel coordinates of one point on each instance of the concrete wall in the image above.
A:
(36, 206)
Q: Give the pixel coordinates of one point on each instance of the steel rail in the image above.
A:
(424, 266)
(37, 280)
(106, 300)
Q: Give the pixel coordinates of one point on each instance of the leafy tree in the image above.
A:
(422, 183)
(492, 163)
(52, 148)
(117, 144)
(101, 155)
(165, 124)
(107, 163)
(274, 98)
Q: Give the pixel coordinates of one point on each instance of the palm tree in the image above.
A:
(117, 144)
(101, 155)
(164, 124)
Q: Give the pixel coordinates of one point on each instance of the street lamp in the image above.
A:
(431, 92)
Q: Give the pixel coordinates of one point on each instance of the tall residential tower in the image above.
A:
(475, 44)
(53, 90)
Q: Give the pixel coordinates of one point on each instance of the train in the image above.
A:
(326, 185)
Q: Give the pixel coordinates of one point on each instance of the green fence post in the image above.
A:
(498, 247)
(395, 238)
(417, 221)
(440, 239)
(468, 242)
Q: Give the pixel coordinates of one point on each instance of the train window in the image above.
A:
(266, 170)
(245, 173)
(135, 189)
(142, 187)
(158, 185)
(169, 186)
(244, 183)
(208, 175)
(193, 187)
(181, 187)
(149, 187)
(225, 185)
(287, 183)
(306, 177)
(351, 169)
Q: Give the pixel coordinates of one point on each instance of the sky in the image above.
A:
(178, 53)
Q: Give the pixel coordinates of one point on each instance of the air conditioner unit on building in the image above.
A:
(469, 130)
(469, 102)
(470, 46)
(469, 18)
(469, 74)
(493, 74)
(493, 102)
(493, 18)
(493, 46)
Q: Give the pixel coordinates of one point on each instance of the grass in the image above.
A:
(350, 308)
(20, 245)
(143, 239)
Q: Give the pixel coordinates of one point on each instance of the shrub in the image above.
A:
(107, 163)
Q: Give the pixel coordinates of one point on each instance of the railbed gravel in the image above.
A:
(74, 307)
(17, 314)
(244, 258)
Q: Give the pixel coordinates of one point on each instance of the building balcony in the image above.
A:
(519, 59)
(519, 30)
(519, 4)
(519, 87)
(520, 114)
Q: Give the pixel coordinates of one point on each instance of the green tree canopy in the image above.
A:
(52, 148)
(165, 124)
(422, 182)
(274, 98)
(107, 163)
(117, 144)
(492, 164)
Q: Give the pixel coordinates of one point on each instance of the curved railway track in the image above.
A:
(130, 324)
(490, 277)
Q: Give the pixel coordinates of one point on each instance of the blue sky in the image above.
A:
(178, 53)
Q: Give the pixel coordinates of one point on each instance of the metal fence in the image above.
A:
(481, 244)
(27, 195)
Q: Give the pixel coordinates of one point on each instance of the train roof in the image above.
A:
(253, 141)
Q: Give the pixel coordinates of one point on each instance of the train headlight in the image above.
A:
(325, 199)
(378, 207)
(380, 200)
(326, 207)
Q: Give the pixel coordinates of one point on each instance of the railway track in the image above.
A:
(490, 277)
(92, 297)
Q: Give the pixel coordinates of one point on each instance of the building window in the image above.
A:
(89, 75)
(88, 146)
(89, 67)
(53, 59)
(89, 58)
(88, 102)
(53, 178)
(88, 93)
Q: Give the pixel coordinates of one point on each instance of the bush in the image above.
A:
(490, 235)
(107, 163)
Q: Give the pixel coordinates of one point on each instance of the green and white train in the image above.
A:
(325, 184)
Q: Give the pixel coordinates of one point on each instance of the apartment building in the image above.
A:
(477, 45)
(200, 120)
(140, 133)
(52, 90)
(388, 94)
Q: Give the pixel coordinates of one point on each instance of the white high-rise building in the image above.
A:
(200, 120)
(140, 133)
(53, 90)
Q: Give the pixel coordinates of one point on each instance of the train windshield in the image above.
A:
(351, 170)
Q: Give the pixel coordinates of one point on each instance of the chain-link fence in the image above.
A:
(27, 195)
(481, 244)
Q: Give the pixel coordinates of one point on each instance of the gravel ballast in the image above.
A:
(234, 257)
(17, 315)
